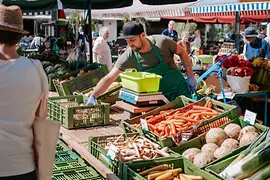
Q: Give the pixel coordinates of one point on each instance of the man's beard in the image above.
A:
(136, 49)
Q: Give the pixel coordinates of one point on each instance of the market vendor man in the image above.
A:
(255, 47)
(152, 54)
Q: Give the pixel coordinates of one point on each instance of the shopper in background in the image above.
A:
(37, 41)
(153, 54)
(184, 42)
(170, 32)
(83, 44)
(254, 46)
(262, 31)
(20, 88)
(197, 41)
(101, 49)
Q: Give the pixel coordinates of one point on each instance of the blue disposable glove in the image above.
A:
(91, 101)
(192, 83)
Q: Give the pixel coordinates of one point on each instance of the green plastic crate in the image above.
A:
(218, 167)
(131, 170)
(73, 165)
(200, 141)
(96, 148)
(129, 125)
(70, 114)
(83, 82)
(66, 156)
(87, 173)
(61, 146)
(109, 97)
(229, 112)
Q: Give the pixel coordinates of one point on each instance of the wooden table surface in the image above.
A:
(77, 140)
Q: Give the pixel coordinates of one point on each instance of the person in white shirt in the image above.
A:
(197, 41)
(37, 41)
(101, 49)
(20, 89)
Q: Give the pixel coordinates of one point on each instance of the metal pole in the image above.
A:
(90, 31)
(237, 29)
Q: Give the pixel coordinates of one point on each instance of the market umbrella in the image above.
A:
(31, 6)
(110, 4)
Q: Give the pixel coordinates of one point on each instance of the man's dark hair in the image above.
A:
(262, 27)
(9, 38)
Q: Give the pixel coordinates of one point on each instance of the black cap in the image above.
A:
(131, 29)
(250, 32)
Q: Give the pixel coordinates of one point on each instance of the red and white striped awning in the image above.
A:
(141, 10)
(242, 13)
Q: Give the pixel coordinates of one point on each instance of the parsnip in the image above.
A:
(166, 176)
(162, 167)
(182, 177)
(193, 177)
(155, 175)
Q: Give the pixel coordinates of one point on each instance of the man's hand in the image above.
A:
(192, 83)
(91, 101)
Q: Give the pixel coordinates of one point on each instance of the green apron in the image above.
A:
(172, 83)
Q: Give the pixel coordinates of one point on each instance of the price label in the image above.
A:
(250, 117)
(112, 152)
(144, 124)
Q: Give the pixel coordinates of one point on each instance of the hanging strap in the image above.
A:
(42, 109)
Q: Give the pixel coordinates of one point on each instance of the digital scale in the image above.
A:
(135, 104)
(142, 99)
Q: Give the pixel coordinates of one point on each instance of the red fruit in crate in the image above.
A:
(71, 77)
(82, 72)
(89, 70)
(59, 80)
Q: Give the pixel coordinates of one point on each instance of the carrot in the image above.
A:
(162, 167)
(193, 177)
(162, 133)
(156, 132)
(167, 131)
(149, 117)
(201, 108)
(173, 130)
(197, 117)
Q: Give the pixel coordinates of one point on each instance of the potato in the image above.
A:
(230, 143)
(209, 149)
(201, 159)
(190, 153)
(248, 138)
(246, 130)
(232, 130)
(222, 151)
(216, 135)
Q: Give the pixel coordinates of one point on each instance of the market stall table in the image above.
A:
(77, 140)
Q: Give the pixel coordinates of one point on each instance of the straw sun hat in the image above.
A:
(11, 19)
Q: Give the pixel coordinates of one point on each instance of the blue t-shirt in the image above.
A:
(254, 50)
(173, 35)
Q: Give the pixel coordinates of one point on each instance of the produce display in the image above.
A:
(221, 142)
(81, 72)
(252, 163)
(166, 172)
(171, 122)
(52, 64)
(136, 148)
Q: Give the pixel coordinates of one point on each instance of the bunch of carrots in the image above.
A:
(171, 122)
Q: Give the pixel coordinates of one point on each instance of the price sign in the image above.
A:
(250, 117)
(144, 124)
(112, 152)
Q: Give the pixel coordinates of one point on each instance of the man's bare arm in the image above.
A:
(185, 60)
(105, 82)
